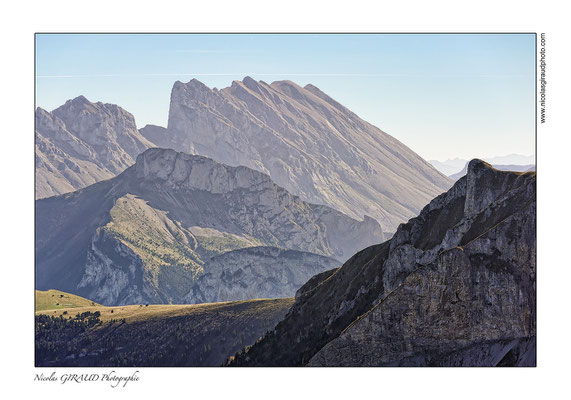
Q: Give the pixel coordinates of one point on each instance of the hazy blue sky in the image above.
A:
(444, 96)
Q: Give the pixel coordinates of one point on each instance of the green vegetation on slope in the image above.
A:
(173, 256)
(221, 242)
(166, 249)
(57, 300)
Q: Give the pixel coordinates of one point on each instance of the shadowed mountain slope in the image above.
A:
(255, 272)
(454, 286)
(154, 335)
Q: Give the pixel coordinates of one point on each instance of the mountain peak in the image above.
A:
(284, 130)
(248, 79)
(79, 100)
(484, 184)
(109, 130)
(77, 104)
(286, 83)
(193, 84)
(41, 112)
(251, 84)
(476, 166)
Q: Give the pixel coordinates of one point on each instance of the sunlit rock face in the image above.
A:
(81, 143)
(306, 142)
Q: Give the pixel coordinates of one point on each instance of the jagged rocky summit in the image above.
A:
(455, 286)
(307, 142)
(81, 143)
(153, 232)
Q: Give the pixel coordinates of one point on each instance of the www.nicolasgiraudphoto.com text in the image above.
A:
(542, 81)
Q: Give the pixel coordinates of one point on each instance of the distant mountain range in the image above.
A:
(453, 167)
(455, 286)
(147, 235)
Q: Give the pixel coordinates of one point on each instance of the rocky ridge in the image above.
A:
(147, 234)
(510, 167)
(81, 143)
(454, 286)
(306, 142)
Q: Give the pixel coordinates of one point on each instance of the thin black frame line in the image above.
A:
(282, 33)
(265, 33)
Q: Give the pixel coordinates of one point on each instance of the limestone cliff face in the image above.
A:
(150, 234)
(454, 286)
(64, 163)
(81, 143)
(307, 143)
(245, 201)
(107, 128)
(256, 272)
(112, 272)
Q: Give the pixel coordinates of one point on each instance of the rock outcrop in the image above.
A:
(81, 143)
(510, 167)
(256, 272)
(454, 286)
(307, 142)
(147, 234)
